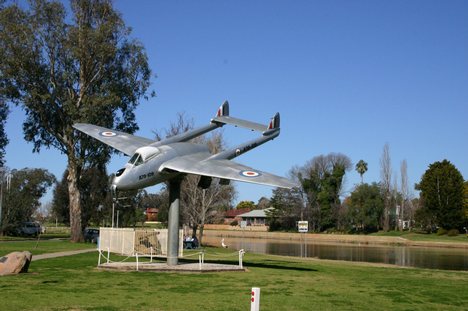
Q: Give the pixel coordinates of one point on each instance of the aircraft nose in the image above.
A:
(116, 180)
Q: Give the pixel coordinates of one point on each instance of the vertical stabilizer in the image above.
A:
(223, 110)
(274, 122)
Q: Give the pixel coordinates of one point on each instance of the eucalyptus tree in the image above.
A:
(67, 66)
(361, 168)
(95, 197)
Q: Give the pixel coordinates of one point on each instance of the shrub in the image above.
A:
(453, 232)
(441, 231)
(234, 223)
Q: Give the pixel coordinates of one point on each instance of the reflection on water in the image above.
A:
(422, 257)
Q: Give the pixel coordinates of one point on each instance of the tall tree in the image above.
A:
(366, 206)
(405, 206)
(263, 203)
(386, 184)
(21, 197)
(61, 201)
(3, 116)
(441, 189)
(465, 201)
(65, 69)
(361, 168)
(200, 205)
(322, 180)
(246, 204)
(95, 197)
(287, 208)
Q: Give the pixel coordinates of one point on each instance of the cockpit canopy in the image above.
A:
(143, 154)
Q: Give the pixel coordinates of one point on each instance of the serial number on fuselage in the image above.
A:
(150, 174)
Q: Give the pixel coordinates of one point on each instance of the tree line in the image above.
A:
(383, 205)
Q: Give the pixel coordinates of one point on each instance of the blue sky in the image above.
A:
(346, 76)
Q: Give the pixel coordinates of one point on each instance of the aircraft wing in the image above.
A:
(121, 141)
(225, 169)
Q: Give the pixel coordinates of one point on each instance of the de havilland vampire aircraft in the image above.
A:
(153, 162)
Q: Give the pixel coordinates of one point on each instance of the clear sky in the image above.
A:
(346, 76)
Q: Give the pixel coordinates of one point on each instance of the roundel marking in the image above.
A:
(250, 173)
(108, 134)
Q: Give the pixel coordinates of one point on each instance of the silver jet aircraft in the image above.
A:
(153, 162)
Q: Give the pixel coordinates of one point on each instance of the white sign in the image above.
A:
(303, 226)
(243, 224)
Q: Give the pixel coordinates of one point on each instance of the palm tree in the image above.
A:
(361, 168)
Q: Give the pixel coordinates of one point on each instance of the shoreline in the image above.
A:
(333, 238)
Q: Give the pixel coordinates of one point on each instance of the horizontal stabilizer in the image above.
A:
(241, 123)
(222, 117)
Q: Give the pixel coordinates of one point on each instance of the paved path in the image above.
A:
(62, 254)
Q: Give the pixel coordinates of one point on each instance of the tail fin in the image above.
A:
(274, 122)
(223, 110)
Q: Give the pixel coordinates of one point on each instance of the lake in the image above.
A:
(406, 256)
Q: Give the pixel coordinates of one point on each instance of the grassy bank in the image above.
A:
(432, 237)
(286, 284)
(379, 238)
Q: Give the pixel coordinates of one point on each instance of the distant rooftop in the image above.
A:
(258, 213)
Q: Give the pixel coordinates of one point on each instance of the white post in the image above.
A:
(137, 261)
(255, 299)
(151, 248)
(108, 254)
(241, 255)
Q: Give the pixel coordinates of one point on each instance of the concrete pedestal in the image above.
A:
(173, 222)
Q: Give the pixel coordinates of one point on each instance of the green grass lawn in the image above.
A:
(286, 284)
(42, 246)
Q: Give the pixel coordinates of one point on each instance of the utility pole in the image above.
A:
(8, 180)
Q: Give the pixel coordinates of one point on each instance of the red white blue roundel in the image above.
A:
(250, 173)
(108, 134)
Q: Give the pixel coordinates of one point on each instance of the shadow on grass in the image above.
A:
(268, 264)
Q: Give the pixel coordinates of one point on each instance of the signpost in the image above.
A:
(303, 227)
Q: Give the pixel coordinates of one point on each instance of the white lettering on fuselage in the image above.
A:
(150, 174)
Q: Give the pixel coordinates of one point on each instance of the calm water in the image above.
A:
(421, 257)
